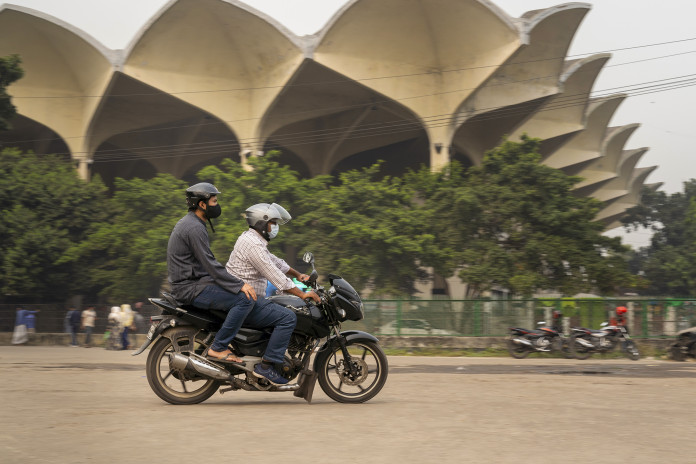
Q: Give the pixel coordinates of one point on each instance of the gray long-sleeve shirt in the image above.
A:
(190, 263)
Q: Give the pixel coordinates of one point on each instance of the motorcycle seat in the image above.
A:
(527, 331)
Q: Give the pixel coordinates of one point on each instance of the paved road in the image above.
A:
(69, 405)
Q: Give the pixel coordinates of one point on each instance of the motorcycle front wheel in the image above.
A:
(577, 350)
(516, 350)
(630, 350)
(369, 371)
(172, 386)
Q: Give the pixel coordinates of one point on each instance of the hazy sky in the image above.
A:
(666, 116)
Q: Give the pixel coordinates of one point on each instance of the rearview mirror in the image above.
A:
(308, 258)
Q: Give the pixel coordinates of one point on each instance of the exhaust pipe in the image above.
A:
(522, 341)
(182, 363)
(584, 342)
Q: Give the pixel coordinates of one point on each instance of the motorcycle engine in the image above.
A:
(542, 342)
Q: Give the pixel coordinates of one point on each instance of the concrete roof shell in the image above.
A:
(66, 71)
(456, 73)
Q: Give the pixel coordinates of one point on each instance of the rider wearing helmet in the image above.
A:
(195, 276)
(621, 316)
(250, 260)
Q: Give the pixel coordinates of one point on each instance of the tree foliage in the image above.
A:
(368, 228)
(10, 71)
(669, 263)
(525, 230)
(45, 209)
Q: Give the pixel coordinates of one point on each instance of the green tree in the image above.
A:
(266, 182)
(10, 71)
(529, 231)
(45, 209)
(370, 229)
(669, 263)
(126, 252)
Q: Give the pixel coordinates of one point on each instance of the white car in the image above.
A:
(412, 327)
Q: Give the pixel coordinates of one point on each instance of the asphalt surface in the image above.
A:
(76, 405)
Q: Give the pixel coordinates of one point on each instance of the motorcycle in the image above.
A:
(350, 366)
(521, 341)
(583, 342)
(684, 345)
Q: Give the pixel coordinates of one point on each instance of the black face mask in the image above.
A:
(213, 211)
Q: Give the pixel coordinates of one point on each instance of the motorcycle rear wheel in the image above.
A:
(577, 350)
(342, 386)
(517, 351)
(630, 350)
(168, 384)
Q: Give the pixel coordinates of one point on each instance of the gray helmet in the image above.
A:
(260, 214)
(201, 191)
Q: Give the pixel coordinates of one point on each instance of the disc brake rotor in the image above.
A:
(360, 368)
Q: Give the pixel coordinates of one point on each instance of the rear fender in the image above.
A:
(171, 327)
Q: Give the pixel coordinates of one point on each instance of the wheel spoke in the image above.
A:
(164, 379)
(183, 385)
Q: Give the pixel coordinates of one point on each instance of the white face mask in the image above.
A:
(274, 231)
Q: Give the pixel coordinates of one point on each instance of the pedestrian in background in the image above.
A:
(30, 319)
(19, 336)
(138, 319)
(89, 315)
(126, 325)
(113, 329)
(75, 320)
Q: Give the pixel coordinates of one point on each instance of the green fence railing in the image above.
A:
(483, 318)
(459, 318)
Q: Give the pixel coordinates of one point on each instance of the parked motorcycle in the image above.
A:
(583, 342)
(521, 341)
(350, 366)
(684, 346)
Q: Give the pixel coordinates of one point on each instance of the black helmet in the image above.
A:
(200, 192)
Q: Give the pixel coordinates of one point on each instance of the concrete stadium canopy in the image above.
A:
(408, 81)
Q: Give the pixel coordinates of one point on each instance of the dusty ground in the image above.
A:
(69, 405)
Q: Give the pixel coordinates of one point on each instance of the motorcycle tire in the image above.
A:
(630, 350)
(517, 351)
(342, 386)
(164, 383)
(578, 351)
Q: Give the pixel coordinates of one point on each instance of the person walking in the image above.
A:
(19, 336)
(126, 325)
(89, 317)
(75, 320)
(113, 329)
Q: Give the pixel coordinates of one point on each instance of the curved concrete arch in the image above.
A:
(620, 185)
(323, 117)
(522, 85)
(612, 213)
(139, 123)
(441, 51)
(66, 72)
(566, 112)
(221, 56)
(606, 166)
(30, 135)
(587, 144)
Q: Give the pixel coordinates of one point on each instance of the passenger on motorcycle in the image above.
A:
(197, 278)
(251, 261)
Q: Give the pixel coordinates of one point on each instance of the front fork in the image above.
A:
(346, 356)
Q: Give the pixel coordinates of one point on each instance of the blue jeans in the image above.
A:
(257, 314)
(88, 335)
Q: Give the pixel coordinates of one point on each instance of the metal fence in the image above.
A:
(465, 318)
